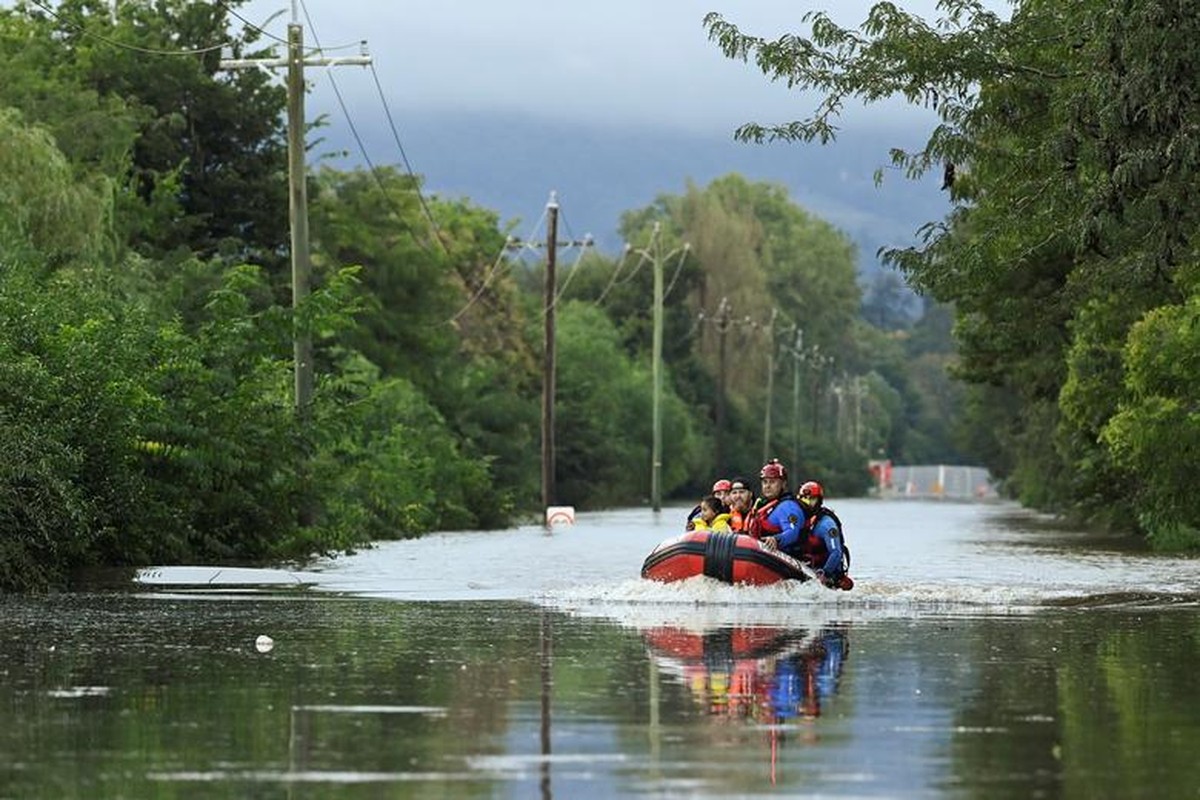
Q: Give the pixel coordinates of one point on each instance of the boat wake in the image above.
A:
(705, 601)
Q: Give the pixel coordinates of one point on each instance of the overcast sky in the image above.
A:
(448, 68)
(641, 62)
(640, 65)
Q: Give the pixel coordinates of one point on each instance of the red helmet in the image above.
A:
(722, 486)
(810, 494)
(773, 469)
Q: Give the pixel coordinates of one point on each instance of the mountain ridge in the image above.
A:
(510, 163)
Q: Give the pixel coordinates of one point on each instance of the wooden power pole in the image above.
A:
(548, 366)
(294, 63)
(549, 360)
(656, 256)
(797, 357)
(724, 322)
(770, 385)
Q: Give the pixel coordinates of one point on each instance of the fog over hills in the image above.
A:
(511, 163)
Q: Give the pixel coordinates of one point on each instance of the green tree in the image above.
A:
(752, 252)
(206, 166)
(70, 403)
(437, 312)
(603, 417)
(373, 219)
(887, 303)
(43, 208)
(1156, 431)
(1064, 139)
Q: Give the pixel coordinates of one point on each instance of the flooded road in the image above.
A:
(984, 652)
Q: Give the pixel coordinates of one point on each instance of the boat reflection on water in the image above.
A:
(774, 677)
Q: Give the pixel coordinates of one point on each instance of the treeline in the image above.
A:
(1068, 141)
(146, 384)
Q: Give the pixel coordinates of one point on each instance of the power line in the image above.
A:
(675, 276)
(570, 233)
(231, 12)
(374, 170)
(616, 272)
(367, 158)
(294, 63)
(583, 244)
(404, 156)
(487, 279)
(123, 45)
(645, 257)
(494, 270)
(267, 34)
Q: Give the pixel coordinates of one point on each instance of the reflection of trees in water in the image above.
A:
(766, 674)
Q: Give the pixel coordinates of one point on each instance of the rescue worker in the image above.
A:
(822, 545)
(741, 504)
(778, 519)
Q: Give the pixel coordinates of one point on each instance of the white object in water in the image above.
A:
(560, 515)
(264, 643)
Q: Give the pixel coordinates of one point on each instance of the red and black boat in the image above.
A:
(729, 557)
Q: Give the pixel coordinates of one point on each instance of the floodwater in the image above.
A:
(985, 652)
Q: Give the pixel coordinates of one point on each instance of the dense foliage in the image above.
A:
(1067, 139)
(146, 406)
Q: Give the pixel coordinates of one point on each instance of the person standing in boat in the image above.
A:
(741, 504)
(720, 490)
(778, 519)
(822, 545)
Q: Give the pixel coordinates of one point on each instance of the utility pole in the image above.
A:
(840, 422)
(656, 379)
(818, 365)
(298, 216)
(294, 63)
(797, 357)
(549, 350)
(770, 386)
(724, 321)
(548, 487)
(657, 257)
(860, 389)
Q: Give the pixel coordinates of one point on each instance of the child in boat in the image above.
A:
(713, 516)
(720, 491)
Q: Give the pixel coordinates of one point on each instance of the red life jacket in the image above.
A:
(759, 525)
(815, 551)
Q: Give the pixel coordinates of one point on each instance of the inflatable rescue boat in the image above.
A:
(728, 557)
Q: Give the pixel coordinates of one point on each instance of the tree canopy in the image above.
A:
(147, 410)
(1067, 137)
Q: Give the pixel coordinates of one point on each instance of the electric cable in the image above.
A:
(123, 45)
(492, 272)
(363, 150)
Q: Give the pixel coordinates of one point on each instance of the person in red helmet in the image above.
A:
(778, 518)
(822, 545)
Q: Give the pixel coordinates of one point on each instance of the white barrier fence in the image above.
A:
(939, 481)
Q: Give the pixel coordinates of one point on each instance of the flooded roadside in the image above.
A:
(143, 696)
(973, 658)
